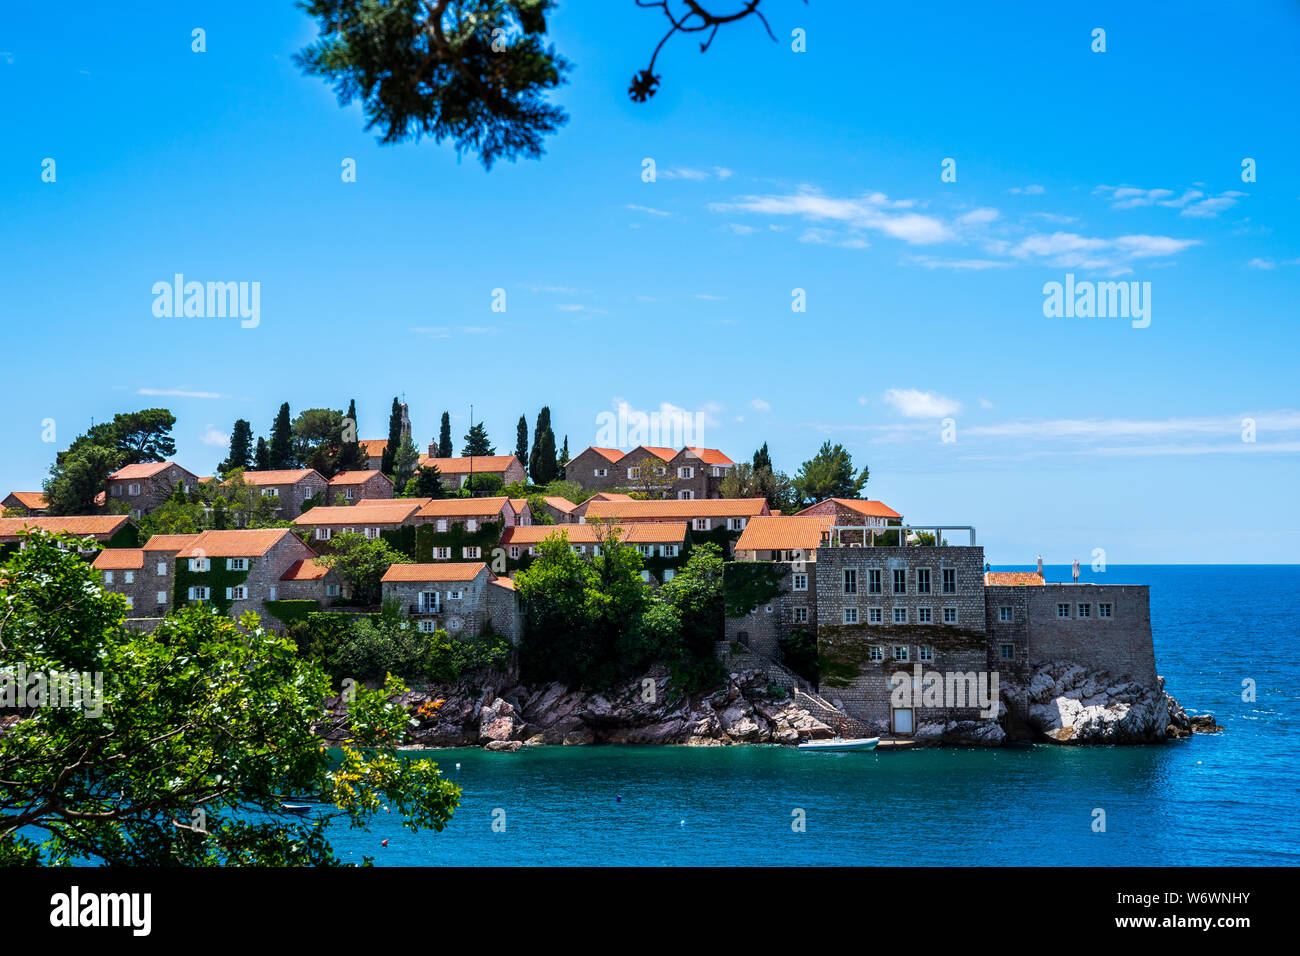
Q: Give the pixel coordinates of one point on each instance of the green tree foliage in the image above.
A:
(482, 485)
(475, 72)
(744, 481)
(394, 438)
(77, 476)
(521, 441)
(241, 448)
(425, 483)
(318, 439)
(203, 714)
(281, 445)
(762, 459)
(244, 504)
(351, 457)
(444, 436)
(541, 466)
(696, 598)
(405, 461)
(179, 514)
(144, 435)
(361, 561)
(829, 474)
(477, 442)
(262, 457)
(563, 460)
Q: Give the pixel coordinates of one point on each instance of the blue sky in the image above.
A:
(776, 171)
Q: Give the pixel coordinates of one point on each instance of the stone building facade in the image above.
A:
(291, 488)
(349, 487)
(138, 489)
(462, 598)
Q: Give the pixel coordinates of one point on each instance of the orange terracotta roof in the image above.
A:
(373, 447)
(654, 532)
(1022, 578)
(357, 477)
(647, 532)
(768, 533)
(609, 496)
(146, 469)
(243, 543)
(286, 476)
(712, 456)
(93, 526)
(482, 464)
(446, 571)
(863, 506)
(518, 504)
(170, 542)
(308, 569)
(612, 454)
(667, 454)
(560, 504)
(462, 507)
(672, 509)
(367, 502)
(119, 559)
(507, 583)
(380, 511)
(204, 481)
(34, 500)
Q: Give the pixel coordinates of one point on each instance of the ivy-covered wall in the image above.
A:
(286, 612)
(747, 584)
(843, 650)
(427, 537)
(217, 578)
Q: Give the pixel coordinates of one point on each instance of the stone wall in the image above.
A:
(1120, 644)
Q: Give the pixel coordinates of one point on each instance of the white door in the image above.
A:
(902, 720)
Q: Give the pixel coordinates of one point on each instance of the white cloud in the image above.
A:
(647, 209)
(1261, 264)
(740, 230)
(979, 216)
(1031, 190)
(214, 436)
(872, 211)
(695, 175)
(961, 264)
(710, 298)
(985, 403)
(760, 405)
(1192, 203)
(1070, 250)
(178, 393)
(914, 403)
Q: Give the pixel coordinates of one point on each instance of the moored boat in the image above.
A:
(837, 744)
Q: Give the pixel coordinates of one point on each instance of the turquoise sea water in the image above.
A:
(1232, 798)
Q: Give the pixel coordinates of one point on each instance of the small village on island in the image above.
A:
(831, 619)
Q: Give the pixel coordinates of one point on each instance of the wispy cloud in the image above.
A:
(1031, 190)
(649, 210)
(915, 403)
(1192, 203)
(449, 331)
(872, 212)
(214, 436)
(178, 393)
(695, 175)
(760, 405)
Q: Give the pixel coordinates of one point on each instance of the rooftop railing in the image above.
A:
(869, 533)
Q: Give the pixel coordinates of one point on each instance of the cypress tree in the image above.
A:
(350, 456)
(477, 443)
(563, 459)
(241, 447)
(521, 441)
(262, 458)
(542, 466)
(762, 459)
(444, 436)
(281, 450)
(394, 438)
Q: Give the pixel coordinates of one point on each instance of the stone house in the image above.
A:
(458, 597)
(373, 449)
(856, 513)
(144, 576)
(559, 509)
(369, 517)
(580, 510)
(309, 580)
(143, 487)
(290, 488)
(702, 514)
(353, 486)
(778, 538)
(663, 545)
(698, 472)
(596, 468)
(106, 531)
(523, 511)
(456, 471)
(20, 504)
(237, 571)
(685, 473)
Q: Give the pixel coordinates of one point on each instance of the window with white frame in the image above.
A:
(669, 550)
(162, 597)
(875, 653)
(347, 494)
(331, 590)
(686, 472)
(922, 580)
(372, 533)
(645, 576)
(900, 652)
(441, 525)
(923, 615)
(1062, 610)
(700, 524)
(1104, 610)
(475, 552)
(801, 615)
(133, 489)
(669, 574)
(427, 627)
(595, 550)
(128, 577)
(634, 472)
(323, 534)
(162, 568)
(874, 615)
(719, 472)
(950, 615)
(442, 554)
(601, 472)
(117, 491)
(237, 593)
(735, 524)
(645, 550)
(925, 653)
(850, 615)
(471, 524)
(514, 551)
(1004, 614)
(198, 564)
(237, 564)
(685, 496)
(270, 492)
(800, 583)
(108, 577)
(900, 615)
(455, 595)
(200, 593)
(429, 602)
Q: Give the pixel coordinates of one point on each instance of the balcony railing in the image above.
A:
(868, 534)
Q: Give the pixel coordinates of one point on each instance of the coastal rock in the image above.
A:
(1070, 704)
(508, 746)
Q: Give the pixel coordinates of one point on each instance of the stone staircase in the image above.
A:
(823, 710)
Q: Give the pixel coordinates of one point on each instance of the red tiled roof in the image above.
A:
(646, 532)
(506, 583)
(373, 447)
(482, 464)
(379, 511)
(863, 506)
(243, 543)
(1022, 578)
(368, 502)
(666, 454)
(119, 559)
(612, 454)
(793, 533)
(560, 504)
(146, 469)
(93, 526)
(462, 507)
(287, 476)
(609, 496)
(308, 569)
(170, 542)
(518, 504)
(357, 477)
(446, 571)
(33, 500)
(672, 509)
(712, 456)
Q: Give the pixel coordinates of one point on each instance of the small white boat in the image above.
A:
(836, 744)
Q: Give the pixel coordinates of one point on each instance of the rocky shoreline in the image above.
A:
(1066, 704)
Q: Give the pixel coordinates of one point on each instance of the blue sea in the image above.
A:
(1231, 798)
